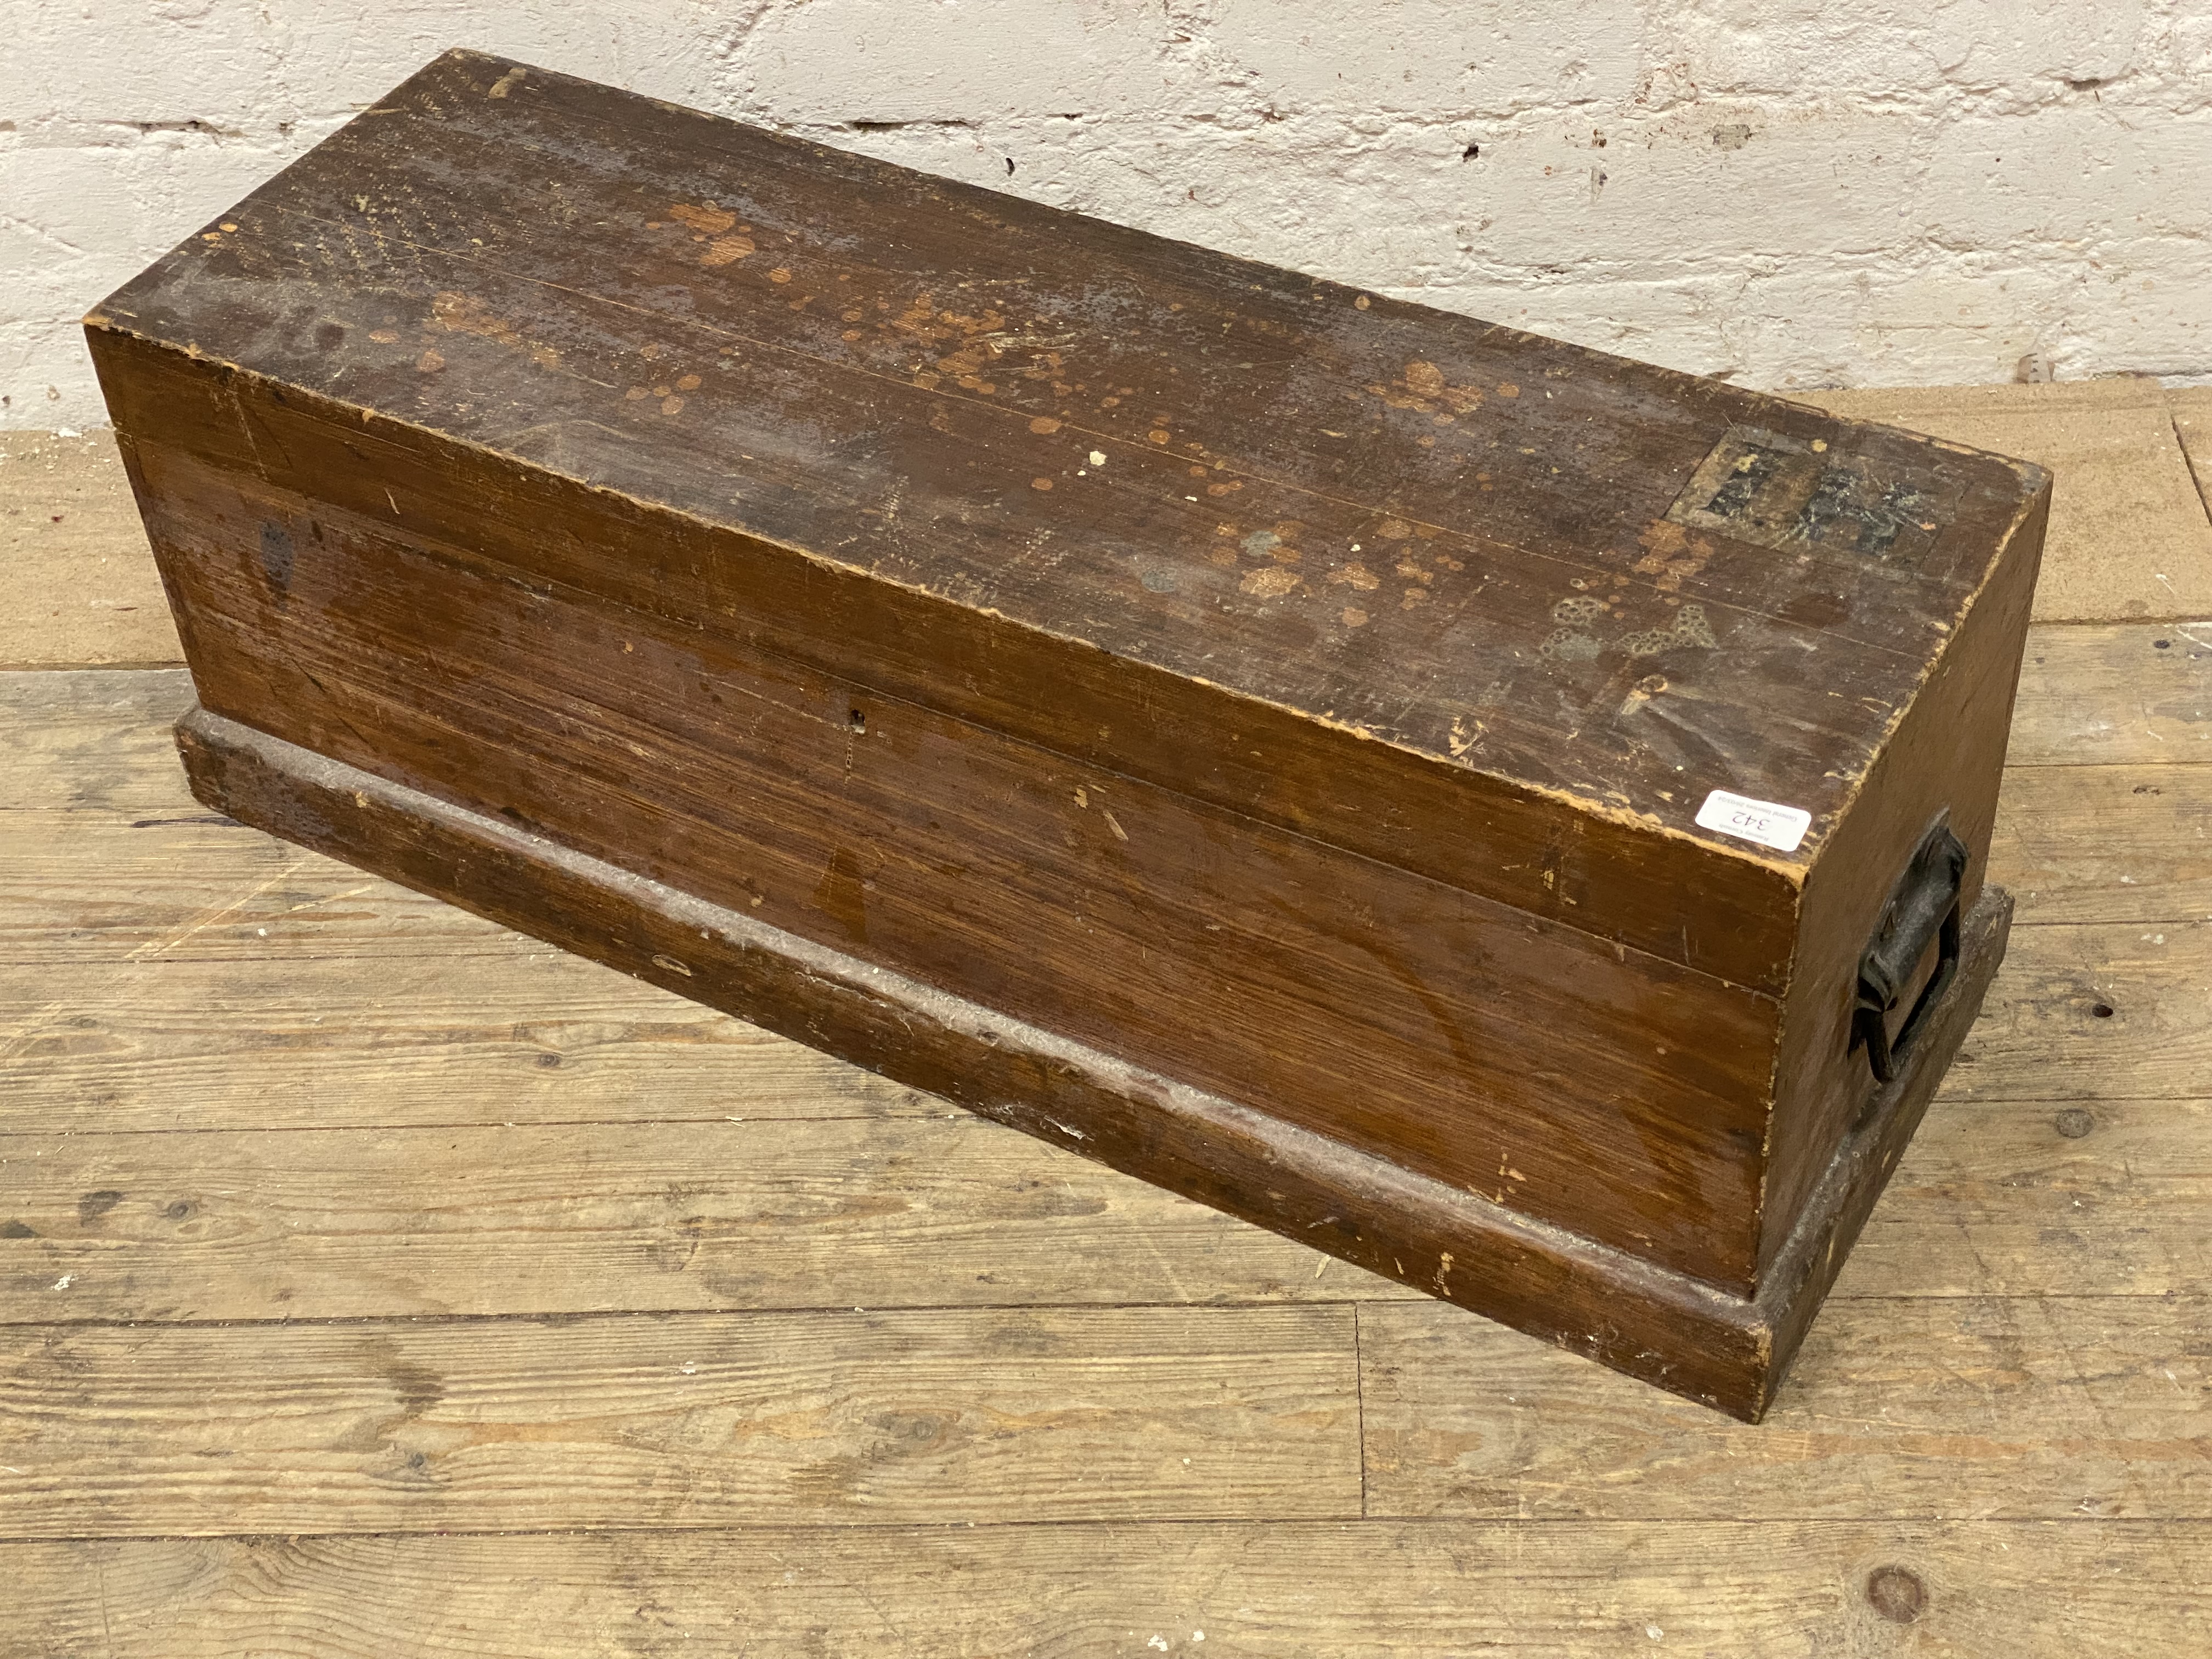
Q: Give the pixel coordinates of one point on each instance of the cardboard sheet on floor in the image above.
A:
(2192, 424)
(2129, 538)
(77, 583)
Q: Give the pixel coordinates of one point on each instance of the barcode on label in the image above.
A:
(1771, 825)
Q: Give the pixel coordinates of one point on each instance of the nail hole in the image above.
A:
(2161, 645)
(857, 720)
(2073, 1123)
(2102, 1009)
(1471, 153)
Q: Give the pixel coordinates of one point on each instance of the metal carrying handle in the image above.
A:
(1923, 904)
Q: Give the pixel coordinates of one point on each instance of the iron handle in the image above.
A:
(1924, 905)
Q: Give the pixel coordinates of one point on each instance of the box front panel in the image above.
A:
(1569, 1077)
(1604, 872)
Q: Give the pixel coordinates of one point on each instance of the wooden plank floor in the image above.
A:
(374, 1281)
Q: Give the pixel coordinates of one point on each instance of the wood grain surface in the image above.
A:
(274, 1041)
(1381, 1590)
(1206, 946)
(77, 581)
(2115, 696)
(2050, 1407)
(2088, 1011)
(519, 1425)
(2001, 1198)
(2107, 843)
(94, 737)
(1999, 1338)
(2013, 1205)
(2005, 1198)
(1726, 1350)
(945, 1211)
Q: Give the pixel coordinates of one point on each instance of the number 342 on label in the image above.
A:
(1762, 821)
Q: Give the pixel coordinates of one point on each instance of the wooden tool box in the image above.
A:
(1506, 816)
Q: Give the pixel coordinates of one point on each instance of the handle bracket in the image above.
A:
(1924, 905)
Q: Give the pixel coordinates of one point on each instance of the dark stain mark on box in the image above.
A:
(1782, 492)
(276, 555)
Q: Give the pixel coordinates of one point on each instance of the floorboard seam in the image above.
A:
(568, 1316)
(2136, 1523)
(1360, 1396)
(782, 1310)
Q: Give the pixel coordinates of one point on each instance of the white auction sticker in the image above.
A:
(1779, 827)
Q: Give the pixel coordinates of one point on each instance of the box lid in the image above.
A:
(1415, 548)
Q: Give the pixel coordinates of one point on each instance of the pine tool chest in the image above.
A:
(1508, 817)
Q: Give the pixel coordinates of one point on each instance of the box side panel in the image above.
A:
(1575, 1080)
(1716, 909)
(1946, 756)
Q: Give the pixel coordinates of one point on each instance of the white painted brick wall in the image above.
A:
(1795, 193)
